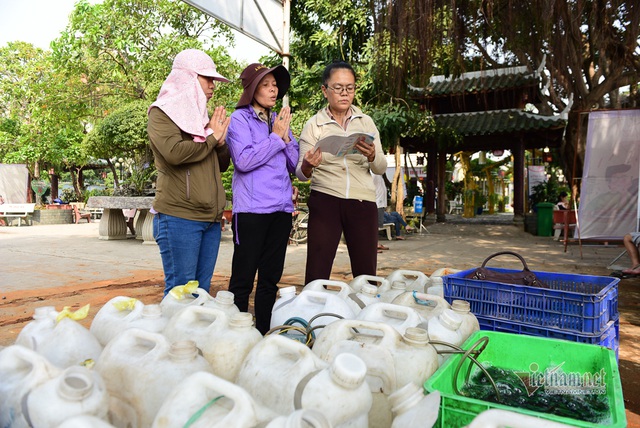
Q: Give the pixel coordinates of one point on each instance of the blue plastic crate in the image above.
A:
(579, 303)
(609, 337)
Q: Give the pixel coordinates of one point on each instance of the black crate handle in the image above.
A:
(524, 263)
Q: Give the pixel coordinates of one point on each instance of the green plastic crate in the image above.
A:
(518, 353)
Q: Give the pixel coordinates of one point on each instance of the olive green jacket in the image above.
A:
(189, 181)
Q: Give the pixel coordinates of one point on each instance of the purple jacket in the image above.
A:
(262, 163)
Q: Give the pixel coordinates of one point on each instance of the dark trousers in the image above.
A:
(329, 218)
(260, 245)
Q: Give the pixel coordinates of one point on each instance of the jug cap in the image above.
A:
(369, 289)
(461, 306)
(450, 319)
(183, 350)
(348, 370)
(416, 336)
(76, 383)
(285, 291)
(225, 297)
(44, 312)
(151, 311)
(241, 319)
(399, 285)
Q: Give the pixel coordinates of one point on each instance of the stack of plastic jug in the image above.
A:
(397, 316)
(445, 328)
(224, 301)
(307, 305)
(203, 400)
(227, 348)
(338, 288)
(470, 323)
(183, 296)
(381, 284)
(339, 392)
(414, 280)
(76, 391)
(397, 288)
(277, 364)
(116, 315)
(427, 305)
(391, 359)
(411, 408)
(60, 337)
(21, 370)
(197, 323)
(142, 368)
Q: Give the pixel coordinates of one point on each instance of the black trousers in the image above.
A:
(329, 218)
(260, 245)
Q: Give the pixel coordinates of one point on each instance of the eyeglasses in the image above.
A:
(338, 89)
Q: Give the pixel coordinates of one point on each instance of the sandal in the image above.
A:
(399, 238)
(382, 247)
(632, 271)
(379, 251)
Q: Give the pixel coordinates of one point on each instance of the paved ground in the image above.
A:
(67, 265)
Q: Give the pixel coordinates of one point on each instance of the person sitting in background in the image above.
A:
(563, 201)
(395, 218)
(631, 242)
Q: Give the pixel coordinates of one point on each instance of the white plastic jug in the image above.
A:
(444, 328)
(64, 342)
(203, 400)
(197, 323)
(85, 421)
(115, 316)
(142, 368)
(303, 418)
(21, 370)
(470, 323)
(397, 288)
(411, 408)
(277, 364)
(181, 296)
(224, 301)
(427, 305)
(367, 295)
(227, 348)
(436, 286)
(382, 284)
(338, 288)
(391, 359)
(307, 305)
(414, 279)
(339, 392)
(397, 316)
(76, 391)
(151, 319)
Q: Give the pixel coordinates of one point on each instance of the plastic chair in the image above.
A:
(80, 215)
(566, 220)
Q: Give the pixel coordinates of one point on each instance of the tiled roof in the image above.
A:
(481, 81)
(497, 122)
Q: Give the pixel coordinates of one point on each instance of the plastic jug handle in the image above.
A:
(130, 337)
(390, 336)
(381, 307)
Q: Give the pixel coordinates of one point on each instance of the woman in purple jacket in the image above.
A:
(264, 153)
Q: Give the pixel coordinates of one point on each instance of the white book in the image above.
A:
(341, 145)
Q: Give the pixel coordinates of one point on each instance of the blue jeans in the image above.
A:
(395, 218)
(188, 249)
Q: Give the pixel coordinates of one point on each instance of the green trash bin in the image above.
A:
(545, 218)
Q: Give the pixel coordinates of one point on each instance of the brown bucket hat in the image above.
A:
(253, 74)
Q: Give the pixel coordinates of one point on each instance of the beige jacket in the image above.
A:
(189, 174)
(346, 177)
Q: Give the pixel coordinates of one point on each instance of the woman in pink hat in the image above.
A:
(190, 155)
(264, 154)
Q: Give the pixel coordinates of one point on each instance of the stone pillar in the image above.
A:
(112, 225)
(147, 228)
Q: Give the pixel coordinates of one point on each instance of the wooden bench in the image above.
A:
(19, 211)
